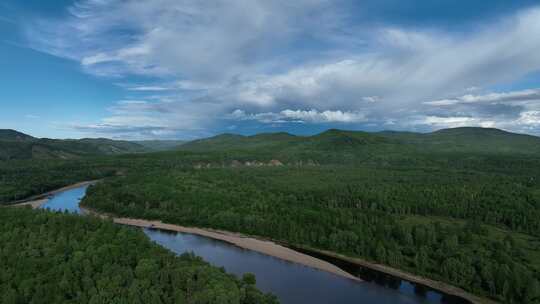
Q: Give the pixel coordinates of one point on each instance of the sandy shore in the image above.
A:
(284, 253)
(254, 244)
(34, 204)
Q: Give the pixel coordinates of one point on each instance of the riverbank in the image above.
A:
(254, 244)
(435, 285)
(39, 200)
(279, 250)
(34, 204)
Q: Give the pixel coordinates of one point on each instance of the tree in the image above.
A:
(249, 279)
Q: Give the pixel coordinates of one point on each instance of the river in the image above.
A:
(290, 282)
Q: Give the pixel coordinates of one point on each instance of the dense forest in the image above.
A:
(459, 206)
(20, 179)
(17, 145)
(437, 230)
(61, 258)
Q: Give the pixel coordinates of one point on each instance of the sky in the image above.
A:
(186, 69)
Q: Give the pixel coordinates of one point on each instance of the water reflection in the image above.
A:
(389, 281)
(292, 283)
(66, 200)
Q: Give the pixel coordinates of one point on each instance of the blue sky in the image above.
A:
(187, 69)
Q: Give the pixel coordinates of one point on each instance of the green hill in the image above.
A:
(16, 145)
(160, 145)
(331, 146)
(485, 140)
(256, 144)
(331, 139)
(8, 134)
(462, 140)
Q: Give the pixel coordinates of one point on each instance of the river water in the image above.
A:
(290, 282)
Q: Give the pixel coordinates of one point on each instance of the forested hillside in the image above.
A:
(20, 179)
(160, 145)
(332, 146)
(16, 145)
(475, 230)
(457, 205)
(60, 258)
(356, 145)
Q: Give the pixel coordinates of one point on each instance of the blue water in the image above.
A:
(67, 200)
(290, 282)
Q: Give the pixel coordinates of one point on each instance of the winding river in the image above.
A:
(290, 282)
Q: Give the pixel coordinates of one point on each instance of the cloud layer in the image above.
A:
(300, 116)
(205, 63)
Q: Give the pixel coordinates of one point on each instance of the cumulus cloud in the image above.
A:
(455, 121)
(529, 119)
(213, 61)
(301, 116)
(513, 110)
(525, 122)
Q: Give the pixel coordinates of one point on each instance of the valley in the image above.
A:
(464, 215)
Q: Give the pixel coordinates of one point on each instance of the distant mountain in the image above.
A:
(17, 145)
(336, 146)
(357, 143)
(225, 142)
(329, 140)
(8, 134)
(334, 138)
(470, 139)
(160, 145)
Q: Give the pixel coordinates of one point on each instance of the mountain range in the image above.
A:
(466, 139)
(17, 145)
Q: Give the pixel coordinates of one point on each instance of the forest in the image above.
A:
(460, 206)
(64, 258)
(473, 229)
(20, 179)
(15, 145)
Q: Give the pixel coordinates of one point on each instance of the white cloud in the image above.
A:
(524, 95)
(454, 122)
(309, 116)
(443, 102)
(195, 85)
(530, 118)
(198, 39)
(149, 88)
(229, 59)
(406, 67)
(315, 116)
(472, 89)
(371, 98)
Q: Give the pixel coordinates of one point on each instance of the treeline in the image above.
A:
(60, 258)
(388, 216)
(24, 178)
